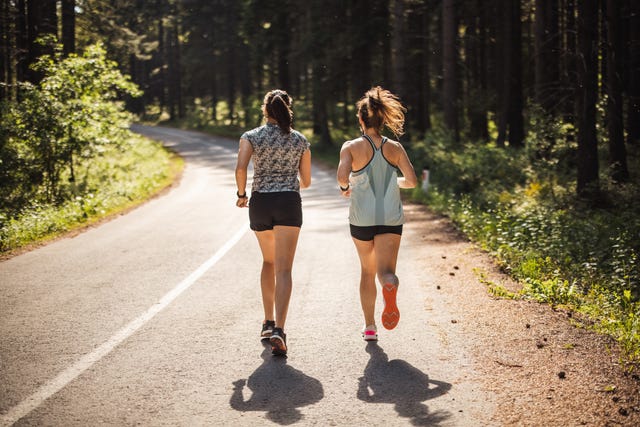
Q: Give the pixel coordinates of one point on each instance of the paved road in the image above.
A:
(153, 319)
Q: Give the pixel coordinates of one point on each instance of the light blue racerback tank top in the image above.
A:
(375, 195)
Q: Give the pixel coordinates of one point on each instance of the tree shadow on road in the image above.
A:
(278, 389)
(402, 384)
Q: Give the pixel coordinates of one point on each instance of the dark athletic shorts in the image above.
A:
(368, 233)
(269, 209)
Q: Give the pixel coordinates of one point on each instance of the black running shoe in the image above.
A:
(267, 329)
(278, 342)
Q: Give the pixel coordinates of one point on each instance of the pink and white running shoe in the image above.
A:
(370, 333)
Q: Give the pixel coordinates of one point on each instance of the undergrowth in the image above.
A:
(519, 205)
(120, 178)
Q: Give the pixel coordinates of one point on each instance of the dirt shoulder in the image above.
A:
(540, 368)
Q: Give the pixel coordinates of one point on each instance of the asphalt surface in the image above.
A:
(153, 318)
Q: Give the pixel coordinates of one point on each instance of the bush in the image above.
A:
(73, 114)
(520, 206)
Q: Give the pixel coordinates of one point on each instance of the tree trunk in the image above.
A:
(511, 122)
(162, 54)
(399, 49)
(449, 74)
(361, 50)
(41, 22)
(68, 26)
(547, 54)
(176, 104)
(424, 123)
(283, 25)
(230, 59)
(22, 41)
(586, 97)
(5, 59)
(569, 73)
(617, 150)
(418, 72)
(633, 49)
(476, 76)
(516, 103)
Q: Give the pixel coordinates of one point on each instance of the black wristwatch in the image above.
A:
(241, 196)
(344, 188)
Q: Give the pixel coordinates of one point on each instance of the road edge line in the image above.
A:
(56, 384)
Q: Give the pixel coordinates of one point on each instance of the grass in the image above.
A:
(562, 251)
(116, 181)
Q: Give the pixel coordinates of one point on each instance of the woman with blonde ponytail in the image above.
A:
(368, 175)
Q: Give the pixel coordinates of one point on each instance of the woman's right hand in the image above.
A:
(242, 202)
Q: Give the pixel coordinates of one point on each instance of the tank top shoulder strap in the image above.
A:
(368, 138)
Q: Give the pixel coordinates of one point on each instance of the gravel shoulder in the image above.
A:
(539, 367)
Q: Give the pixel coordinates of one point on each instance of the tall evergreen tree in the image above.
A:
(42, 29)
(615, 126)
(547, 49)
(633, 71)
(586, 98)
(68, 26)
(511, 121)
(450, 65)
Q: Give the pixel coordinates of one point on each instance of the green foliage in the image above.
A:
(73, 114)
(123, 176)
(66, 154)
(480, 171)
(519, 205)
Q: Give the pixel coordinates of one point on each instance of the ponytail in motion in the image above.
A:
(277, 105)
(379, 108)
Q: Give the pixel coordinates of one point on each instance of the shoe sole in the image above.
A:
(278, 347)
(390, 314)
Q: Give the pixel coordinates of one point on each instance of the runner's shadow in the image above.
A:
(278, 389)
(402, 384)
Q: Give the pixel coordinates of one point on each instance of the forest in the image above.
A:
(526, 112)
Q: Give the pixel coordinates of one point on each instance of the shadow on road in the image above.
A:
(278, 389)
(405, 386)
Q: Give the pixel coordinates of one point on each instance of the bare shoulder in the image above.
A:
(395, 144)
(352, 142)
(393, 150)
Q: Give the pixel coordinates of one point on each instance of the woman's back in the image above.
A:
(276, 158)
(375, 195)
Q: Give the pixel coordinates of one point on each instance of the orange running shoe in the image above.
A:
(390, 314)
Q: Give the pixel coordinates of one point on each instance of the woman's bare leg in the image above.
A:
(386, 247)
(266, 241)
(368, 290)
(286, 240)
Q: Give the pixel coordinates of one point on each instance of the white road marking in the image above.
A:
(71, 373)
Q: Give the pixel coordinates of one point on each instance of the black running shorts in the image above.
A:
(368, 233)
(269, 209)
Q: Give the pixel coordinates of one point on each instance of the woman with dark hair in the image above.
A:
(281, 167)
(368, 174)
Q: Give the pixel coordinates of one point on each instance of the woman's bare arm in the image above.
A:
(245, 151)
(344, 168)
(305, 169)
(408, 178)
